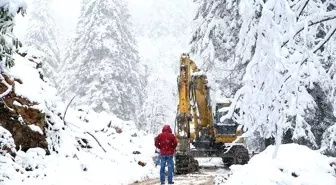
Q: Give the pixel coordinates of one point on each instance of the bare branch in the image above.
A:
(301, 9)
(321, 44)
(9, 87)
(293, 4)
(7, 105)
(96, 140)
(325, 40)
(67, 109)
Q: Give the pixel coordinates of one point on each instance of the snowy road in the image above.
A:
(206, 176)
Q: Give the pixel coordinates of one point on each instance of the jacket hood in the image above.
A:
(166, 128)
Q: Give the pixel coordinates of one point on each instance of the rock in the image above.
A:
(294, 174)
(16, 113)
(118, 130)
(141, 163)
(136, 152)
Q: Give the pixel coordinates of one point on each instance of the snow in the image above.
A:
(197, 74)
(98, 148)
(35, 129)
(294, 164)
(13, 5)
(32, 88)
(16, 103)
(75, 154)
(6, 140)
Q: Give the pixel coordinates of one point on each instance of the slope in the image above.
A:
(86, 148)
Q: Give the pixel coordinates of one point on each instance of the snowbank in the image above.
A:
(294, 164)
(86, 148)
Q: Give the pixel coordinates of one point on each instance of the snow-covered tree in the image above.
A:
(8, 42)
(215, 40)
(41, 36)
(292, 58)
(162, 31)
(158, 108)
(102, 68)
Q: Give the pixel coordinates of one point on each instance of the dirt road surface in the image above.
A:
(208, 172)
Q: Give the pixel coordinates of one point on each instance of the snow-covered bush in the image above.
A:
(329, 141)
(31, 160)
(7, 144)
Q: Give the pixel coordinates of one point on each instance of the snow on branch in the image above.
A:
(295, 3)
(312, 20)
(9, 43)
(326, 39)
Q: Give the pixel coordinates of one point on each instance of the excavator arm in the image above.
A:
(193, 94)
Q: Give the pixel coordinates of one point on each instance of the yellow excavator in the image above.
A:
(199, 131)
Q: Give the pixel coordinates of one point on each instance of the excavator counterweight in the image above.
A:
(199, 126)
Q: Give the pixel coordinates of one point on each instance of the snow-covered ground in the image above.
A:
(293, 165)
(76, 155)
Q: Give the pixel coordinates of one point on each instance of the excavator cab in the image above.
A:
(226, 131)
(229, 127)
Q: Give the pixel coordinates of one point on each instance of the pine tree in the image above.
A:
(41, 37)
(158, 109)
(103, 69)
(215, 40)
(8, 42)
(162, 31)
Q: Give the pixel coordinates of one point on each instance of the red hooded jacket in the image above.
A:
(166, 141)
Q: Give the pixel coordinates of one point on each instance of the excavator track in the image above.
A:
(185, 164)
(237, 155)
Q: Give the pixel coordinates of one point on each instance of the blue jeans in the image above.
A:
(167, 159)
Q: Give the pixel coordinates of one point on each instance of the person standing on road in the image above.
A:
(166, 142)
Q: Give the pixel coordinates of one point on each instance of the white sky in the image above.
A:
(66, 15)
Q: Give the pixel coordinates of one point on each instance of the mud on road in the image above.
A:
(205, 176)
